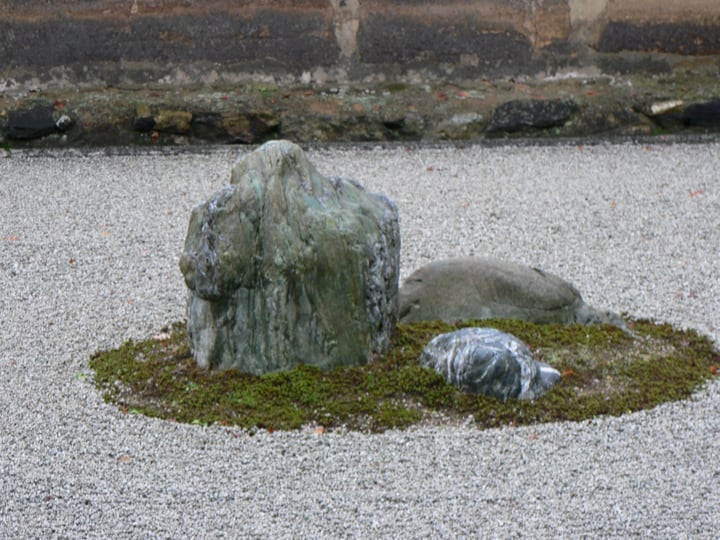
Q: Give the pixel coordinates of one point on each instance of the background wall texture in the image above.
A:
(178, 42)
(99, 72)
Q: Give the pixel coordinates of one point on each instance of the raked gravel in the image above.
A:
(89, 245)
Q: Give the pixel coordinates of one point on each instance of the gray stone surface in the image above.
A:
(483, 288)
(517, 115)
(490, 362)
(32, 123)
(288, 267)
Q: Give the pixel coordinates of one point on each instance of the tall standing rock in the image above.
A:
(287, 267)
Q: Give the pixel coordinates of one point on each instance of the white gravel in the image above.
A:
(89, 245)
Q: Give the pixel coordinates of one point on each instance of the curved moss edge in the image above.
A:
(605, 372)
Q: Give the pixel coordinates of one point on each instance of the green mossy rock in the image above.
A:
(287, 267)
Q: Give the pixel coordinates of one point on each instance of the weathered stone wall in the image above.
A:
(180, 42)
(97, 72)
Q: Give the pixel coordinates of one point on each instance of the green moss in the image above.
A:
(395, 87)
(267, 90)
(605, 372)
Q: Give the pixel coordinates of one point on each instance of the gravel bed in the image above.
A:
(89, 244)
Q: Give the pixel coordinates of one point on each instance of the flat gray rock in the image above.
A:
(489, 362)
(483, 288)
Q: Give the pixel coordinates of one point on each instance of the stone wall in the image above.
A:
(96, 43)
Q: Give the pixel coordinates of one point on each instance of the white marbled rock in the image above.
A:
(488, 361)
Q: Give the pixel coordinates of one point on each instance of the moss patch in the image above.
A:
(605, 372)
